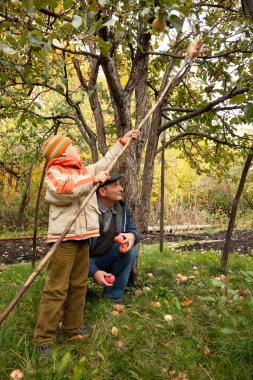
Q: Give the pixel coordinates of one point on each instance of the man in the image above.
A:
(105, 257)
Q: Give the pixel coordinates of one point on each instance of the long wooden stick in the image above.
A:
(43, 262)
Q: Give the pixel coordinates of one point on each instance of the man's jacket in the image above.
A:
(123, 223)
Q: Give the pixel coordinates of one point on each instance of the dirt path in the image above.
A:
(17, 251)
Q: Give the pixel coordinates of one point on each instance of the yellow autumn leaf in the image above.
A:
(115, 331)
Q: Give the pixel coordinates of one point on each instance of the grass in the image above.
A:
(210, 338)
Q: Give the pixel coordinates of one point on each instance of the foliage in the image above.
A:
(92, 69)
(207, 337)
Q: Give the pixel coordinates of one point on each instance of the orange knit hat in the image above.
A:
(54, 146)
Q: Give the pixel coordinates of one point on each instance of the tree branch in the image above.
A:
(204, 109)
(181, 136)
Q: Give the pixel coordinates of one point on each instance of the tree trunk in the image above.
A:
(25, 199)
(36, 214)
(148, 172)
(231, 224)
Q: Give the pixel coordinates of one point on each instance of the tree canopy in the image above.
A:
(93, 69)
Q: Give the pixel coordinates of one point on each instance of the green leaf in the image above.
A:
(248, 112)
(35, 41)
(76, 21)
(27, 4)
(59, 89)
(67, 4)
(103, 2)
(217, 283)
(56, 43)
(176, 22)
(103, 47)
(227, 330)
(239, 99)
(145, 11)
(251, 67)
(38, 4)
(6, 49)
(37, 104)
(208, 298)
(96, 27)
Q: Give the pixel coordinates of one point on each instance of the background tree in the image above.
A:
(97, 67)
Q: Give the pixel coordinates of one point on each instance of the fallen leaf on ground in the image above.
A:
(186, 302)
(115, 331)
(206, 350)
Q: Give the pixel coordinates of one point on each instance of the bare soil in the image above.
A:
(18, 251)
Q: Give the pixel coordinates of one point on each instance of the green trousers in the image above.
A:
(63, 297)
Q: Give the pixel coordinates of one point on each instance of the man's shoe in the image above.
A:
(81, 333)
(116, 300)
(44, 350)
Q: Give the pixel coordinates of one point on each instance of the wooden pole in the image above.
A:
(162, 194)
(43, 262)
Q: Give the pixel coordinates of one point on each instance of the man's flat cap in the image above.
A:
(113, 177)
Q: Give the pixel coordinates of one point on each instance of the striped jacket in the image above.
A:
(68, 182)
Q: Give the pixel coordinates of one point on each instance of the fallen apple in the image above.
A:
(168, 317)
(110, 279)
(118, 307)
(150, 275)
(138, 292)
(115, 313)
(120, 344)
(16, 374)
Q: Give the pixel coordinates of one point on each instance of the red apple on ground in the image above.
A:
(16, 374)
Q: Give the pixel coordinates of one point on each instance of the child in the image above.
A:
(68, 182)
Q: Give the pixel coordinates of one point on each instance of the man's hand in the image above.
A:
(135, 134)
(101, 177)
(99, 278)
(129, 238)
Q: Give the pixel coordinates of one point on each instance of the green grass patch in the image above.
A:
(208, 338)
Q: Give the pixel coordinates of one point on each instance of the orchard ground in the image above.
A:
(18, 251)
(195, 326)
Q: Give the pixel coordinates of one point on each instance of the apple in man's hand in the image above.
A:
(123, 247)
(110, 279)
(119, 239)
